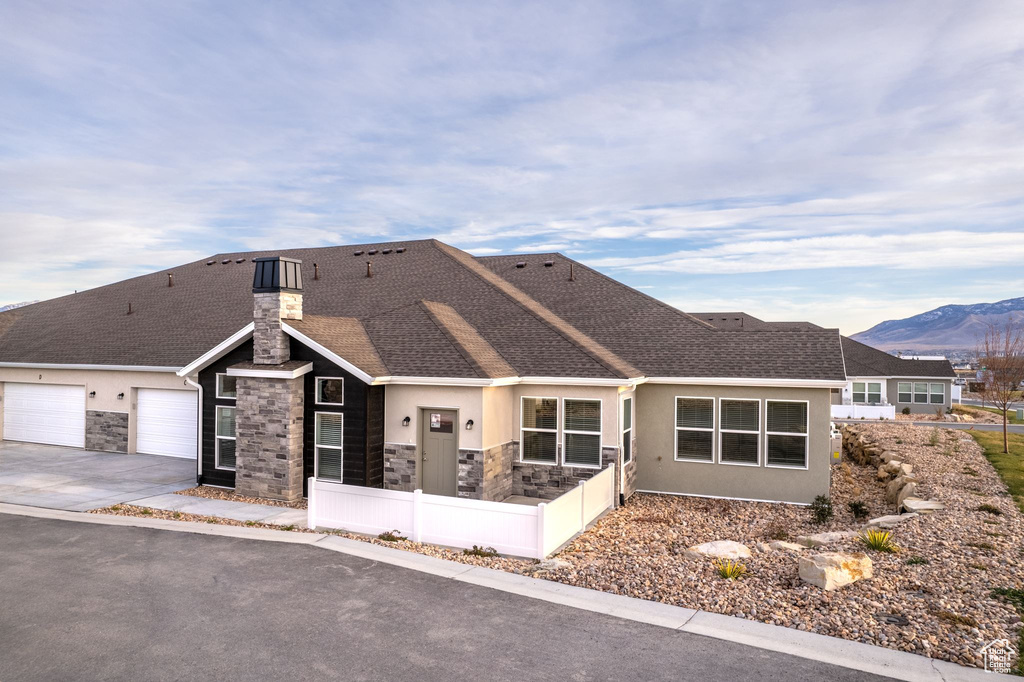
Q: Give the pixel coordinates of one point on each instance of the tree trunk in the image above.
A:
(1006, 440)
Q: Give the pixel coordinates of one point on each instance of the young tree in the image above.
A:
(1001, 354)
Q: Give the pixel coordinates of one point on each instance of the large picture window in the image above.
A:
(581, 432)
(539, 430)
(627, 430)
(225, 437)
(328, 445)
(869, 392)
(921, 393)
(739, 440)
(695, 429)
(786, 433)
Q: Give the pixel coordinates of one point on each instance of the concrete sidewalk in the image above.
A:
(226, 509)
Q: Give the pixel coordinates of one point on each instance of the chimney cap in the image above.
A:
(277, 273)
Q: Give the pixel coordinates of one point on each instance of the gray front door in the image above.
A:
(439, 452)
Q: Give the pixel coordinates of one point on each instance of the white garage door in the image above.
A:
(41, 413)
(167, 423)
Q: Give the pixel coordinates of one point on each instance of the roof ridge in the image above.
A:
(380, 358)
(583, 342)
(470, 357)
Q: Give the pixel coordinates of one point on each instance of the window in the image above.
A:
(920, 393)
(786, 434)
(539, 430)
(328, 445)
(225, 437)
(330, 391)
(937, 394)
(627, 430)
(739, 442)
(867, 392)
(226, 387)
(581, 432)
(906, 392)
(695, 429)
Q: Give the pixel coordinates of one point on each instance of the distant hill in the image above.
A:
(948, 327)
(12, 306)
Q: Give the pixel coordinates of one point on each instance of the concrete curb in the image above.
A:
(832, 650)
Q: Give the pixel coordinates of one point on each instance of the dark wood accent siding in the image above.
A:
(363, 438)
(208, 380)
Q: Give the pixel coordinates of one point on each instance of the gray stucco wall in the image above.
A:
(657, 470)
(892, 391)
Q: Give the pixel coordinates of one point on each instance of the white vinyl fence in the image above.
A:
(956, 393)
(863, 411)
(516, 529)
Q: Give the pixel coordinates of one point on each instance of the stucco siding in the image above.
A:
(892, 386)
(402, 400)
(658, 471)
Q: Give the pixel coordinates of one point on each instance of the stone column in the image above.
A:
(270, 343)
(269, 428)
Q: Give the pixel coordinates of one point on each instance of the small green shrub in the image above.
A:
(177, 515)
(116, 507)
(933, 439)
(290, 526)
(211, 520)
(957, 619)
(968, 471)
(906, 410)
(978, 567)
(916, 561)
(146, 512)
(858, 509)
(982, 545)
(250, 523)
(899, 441)
(1016, 598)
(730, 569)
(878, 540)
(990, 509)
(821, 509)
(391, 536)
(481, 551)
(776, 532)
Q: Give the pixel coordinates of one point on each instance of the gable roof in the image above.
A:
(864, 361)
(429, 310)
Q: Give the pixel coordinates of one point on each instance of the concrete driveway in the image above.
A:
(79, 480)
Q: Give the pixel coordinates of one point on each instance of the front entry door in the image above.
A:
(439, 452)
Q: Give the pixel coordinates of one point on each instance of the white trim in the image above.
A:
(330, 355)
(272, 373)
(903, 377)
(723, 497)
(508, 381)
(316, 448)
(623, 431)
(867, 391)
(199, 430)
(677, 429)
(749, 381)
(217, 438)
(218, 351)
(806, 434)
(599, 433)
(760, 429)
(523, 429)
(216, 387)
(110, 368)
(316, 390)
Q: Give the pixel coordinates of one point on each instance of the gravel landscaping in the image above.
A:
(230, 495)
(933, 596)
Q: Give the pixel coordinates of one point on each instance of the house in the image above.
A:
(922, 386)
(415, 365)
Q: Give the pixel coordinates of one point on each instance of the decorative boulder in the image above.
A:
(787, 546)
(888, 456)
(892, 491)
(906, 491)
(832, 570)
(916, 505)
(819, 539)
(890, 521)
(906, 469)
(893, 466)
(720, 549)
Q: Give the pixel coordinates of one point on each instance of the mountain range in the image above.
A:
(948, 327)
(12, 306)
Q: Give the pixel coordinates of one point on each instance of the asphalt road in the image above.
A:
(1011, 428)
(88, 602)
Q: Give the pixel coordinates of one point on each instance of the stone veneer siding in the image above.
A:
(497, 471)
(268, 429)
(270, 344)
(400, 467)
(106, 431)
(548, 481)
(471, 474)
(629, 471)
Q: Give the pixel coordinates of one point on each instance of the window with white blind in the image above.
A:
(695, 429)
(627, 430)
(581, 432)
(786, 433)
(867, 392)
(905, 392)
(739, 437)
(921, 393)
(224, 456)
(329, 430)
(538, 436)
(937, 394)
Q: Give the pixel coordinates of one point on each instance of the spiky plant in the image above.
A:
(730, 569)
(878, 540)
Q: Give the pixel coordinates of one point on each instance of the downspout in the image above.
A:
(199, 431)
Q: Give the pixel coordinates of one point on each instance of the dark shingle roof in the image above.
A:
(864, 361)
(432, 310)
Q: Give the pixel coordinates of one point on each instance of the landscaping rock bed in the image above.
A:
(230, 495)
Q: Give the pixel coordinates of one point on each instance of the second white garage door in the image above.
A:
(45, 413)
(166, 423)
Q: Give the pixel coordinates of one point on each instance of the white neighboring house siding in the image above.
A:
(107, 383)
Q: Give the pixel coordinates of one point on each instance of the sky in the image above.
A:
(838, 162)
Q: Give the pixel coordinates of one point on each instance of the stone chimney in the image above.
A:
(277, 295)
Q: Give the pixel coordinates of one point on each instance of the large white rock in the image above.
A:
(892, 491)
(782, 545)
(832, 570)
(892, 466)
(819, 539)
(890, 521)
(720, 549)
(916, 505)
(906, 491)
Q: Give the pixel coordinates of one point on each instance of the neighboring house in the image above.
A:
(417, 365)
(878, 378)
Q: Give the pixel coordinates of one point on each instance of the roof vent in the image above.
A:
(170, 279)
(239, 260)
(386, 251)
(316, 271)
(358, 253)
(371, 252)
(225, 261)
(369, 268)
(400, 250)
(548, 263)
(210, 262)
(572, 272)
(277, 274)
(521, 264)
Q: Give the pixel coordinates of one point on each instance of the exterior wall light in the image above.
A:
(469, 425)
(120, 396)
(405, 422)
(92, 394)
